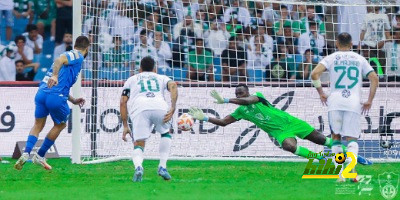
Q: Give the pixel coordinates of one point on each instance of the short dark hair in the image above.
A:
(69, 33)
(312, 23)
(200, 39)
(232, 38)
(344, 39)
(31, 27)
(243, 85)
(117, 37)
(308, 50)
(19, 37)
(19, 61)
(310, 7)
(143, 32)
(81, 42)
(147, 64)
(284, 6)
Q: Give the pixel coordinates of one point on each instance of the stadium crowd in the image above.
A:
(200, 40)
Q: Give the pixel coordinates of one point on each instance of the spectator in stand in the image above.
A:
(312, 40)
(312, 17)
(392, 49)
(287, 39)
(217, 38)
(286, 21)
(238, 12)
(24, 52)
(23, 15)
(350, 18)
(34, 40)
(201, 63)
(267, 40)
(7, 65)
(63, 47)
(260, 55)
(283, 66)
(374, 31)
(185, 8)
(45, 12)
(304, 70)
(142, 50)
(234, 62)
(25, 76)
(63, 19)
(122, 25)
(164, 53)
(184, 35)
(201, 19)
(6, 10)
(396, 21)
(117, 56)
(216, 10)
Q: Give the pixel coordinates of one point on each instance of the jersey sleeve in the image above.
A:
(237, 114)
(127, 84)
(325, 62)
(73, 57)
(366, 68)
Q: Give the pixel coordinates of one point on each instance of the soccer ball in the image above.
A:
(185, 122)
(340, 158)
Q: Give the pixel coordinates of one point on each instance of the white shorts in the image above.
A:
(144, 121)
(345, 123)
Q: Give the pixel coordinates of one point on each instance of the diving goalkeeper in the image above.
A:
(277, 123)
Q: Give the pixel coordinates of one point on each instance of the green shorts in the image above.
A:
(296, 128)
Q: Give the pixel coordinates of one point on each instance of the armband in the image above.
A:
(316, 83)
(126, 92)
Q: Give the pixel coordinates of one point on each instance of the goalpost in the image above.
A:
(122, 32)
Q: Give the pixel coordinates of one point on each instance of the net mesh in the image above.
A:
(215, 44)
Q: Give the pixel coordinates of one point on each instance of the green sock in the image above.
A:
(329, 144)
(305, 153)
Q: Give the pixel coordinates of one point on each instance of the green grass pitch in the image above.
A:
(191, 180)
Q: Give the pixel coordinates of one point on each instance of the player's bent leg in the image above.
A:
(319, 138)
(352, 146)
(31, 141)
(137, 159)
(165, 146)
(39, 158)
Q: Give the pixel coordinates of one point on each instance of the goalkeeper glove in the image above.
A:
(198, 114)
(218, 98)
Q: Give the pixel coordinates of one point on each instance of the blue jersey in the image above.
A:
(66, 76)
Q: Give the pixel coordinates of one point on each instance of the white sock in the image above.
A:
(337, 149)
(165, 146)
(352, 146)
(137, 157)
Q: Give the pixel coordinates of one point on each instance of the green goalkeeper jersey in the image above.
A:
(265, 116)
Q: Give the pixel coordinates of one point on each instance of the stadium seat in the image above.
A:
(165, 71)
(256, 75)
(180, 74)
(217, 69)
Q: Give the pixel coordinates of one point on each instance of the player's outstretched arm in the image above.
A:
(198, 114)
(373, 78)
(173, 89)
(239, 101)
(123, 109)
(315, 77)
(58, 63)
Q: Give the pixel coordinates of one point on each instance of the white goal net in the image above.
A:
(215, 44)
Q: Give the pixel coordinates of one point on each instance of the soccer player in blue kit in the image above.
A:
(51, 98)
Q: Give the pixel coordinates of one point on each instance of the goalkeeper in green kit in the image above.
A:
(277, 123)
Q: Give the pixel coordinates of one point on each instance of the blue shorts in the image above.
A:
(8, 14)
(54, 104)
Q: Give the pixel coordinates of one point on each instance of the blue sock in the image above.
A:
(45, 146)
(30, 143)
